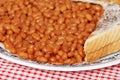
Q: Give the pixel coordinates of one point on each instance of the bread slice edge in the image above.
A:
(104, 51)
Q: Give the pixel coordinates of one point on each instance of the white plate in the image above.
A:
(104, 62)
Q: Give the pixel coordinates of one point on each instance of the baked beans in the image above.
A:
(49, 31)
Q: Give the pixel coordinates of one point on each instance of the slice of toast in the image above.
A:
(102, 43)
(106, 38)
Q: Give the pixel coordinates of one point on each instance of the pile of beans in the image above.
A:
(49, 31)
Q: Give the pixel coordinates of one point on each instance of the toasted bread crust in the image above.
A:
(114, 1)
(102, 43)
(101, 39)
(108, 49)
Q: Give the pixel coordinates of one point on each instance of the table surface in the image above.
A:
(13, 71)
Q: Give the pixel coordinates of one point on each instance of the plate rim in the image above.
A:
(59, 68)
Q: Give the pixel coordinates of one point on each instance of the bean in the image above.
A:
(70, 38)
(74, 45)
(61, 20)
(30, 49)
(89, 16)
(70, 54)
(59, 42)
(2, 38)
(65, 47)
(97, 7)
(23, 55)
(48, 49)
(60, 53)
(1, 28)
(17, 40)
(15, 29)
(63, 8)
(67, 61)
(12, 38)
(23, 35)
(41, 59)
(30, 56)
(53, 59)
(25, 29)
(9, 32)
(87, 5)
(7, 44)
(78, 57)
(37, 46)
(18, 45)
(56, 48)
(32, 30)
(64, 56)
(39, 53)
(36, 36)
(12, 50)
(58, 57)
(47, 56)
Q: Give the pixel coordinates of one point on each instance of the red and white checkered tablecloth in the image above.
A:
(12, 71)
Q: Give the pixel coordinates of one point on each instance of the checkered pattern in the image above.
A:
(12, 71)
